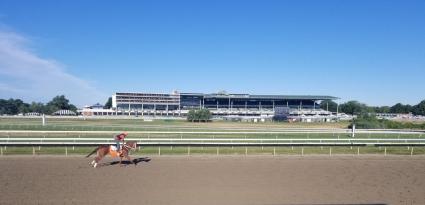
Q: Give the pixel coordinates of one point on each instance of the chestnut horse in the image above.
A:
(104, 150)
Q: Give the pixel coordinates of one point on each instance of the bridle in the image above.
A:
(129, 147)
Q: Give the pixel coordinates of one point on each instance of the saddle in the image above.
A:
(113, 151)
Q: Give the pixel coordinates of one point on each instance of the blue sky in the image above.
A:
(370, 51)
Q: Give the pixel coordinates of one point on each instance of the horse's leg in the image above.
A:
(98, 157)
(94, 159)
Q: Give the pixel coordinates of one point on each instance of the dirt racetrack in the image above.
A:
(201, 180)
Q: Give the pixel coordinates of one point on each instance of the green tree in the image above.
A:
(419, 109)
(400, 108)
(108, 103)
(59, 103)
(24, 108)
(12, 106)
(202, 115)
(191, 115)
(382, 109)
(37, 107)
(329, 105)
(354, 108)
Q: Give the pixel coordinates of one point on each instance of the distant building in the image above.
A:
(64, 113)
(96, 106)
(96, 110)
(231, 106)
(32, 114)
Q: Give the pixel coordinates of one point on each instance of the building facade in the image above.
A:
(220, 104)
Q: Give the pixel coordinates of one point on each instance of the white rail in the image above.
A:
(206, 139)
(284, 131)
(212, 142)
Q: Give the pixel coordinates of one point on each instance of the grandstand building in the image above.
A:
(220, 104)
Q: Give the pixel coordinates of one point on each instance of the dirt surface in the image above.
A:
(214, 180)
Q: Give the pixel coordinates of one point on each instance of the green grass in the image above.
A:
(168, 150)
(46, 150)
(137, 124)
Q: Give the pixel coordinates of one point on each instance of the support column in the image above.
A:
(273, 105)
(129, 109)
(180, 111)
(337, 110)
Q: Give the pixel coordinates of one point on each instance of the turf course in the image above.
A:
(142, 129)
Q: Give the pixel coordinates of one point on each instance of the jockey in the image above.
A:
(120, 139)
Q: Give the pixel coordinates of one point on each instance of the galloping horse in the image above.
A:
(104, 150)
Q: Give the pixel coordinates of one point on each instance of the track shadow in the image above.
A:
(135, 161)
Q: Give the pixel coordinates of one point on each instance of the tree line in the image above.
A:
(356, 108)
(17, 106)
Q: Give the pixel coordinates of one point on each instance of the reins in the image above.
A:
(127, 146)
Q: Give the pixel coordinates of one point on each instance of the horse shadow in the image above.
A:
(126, 162)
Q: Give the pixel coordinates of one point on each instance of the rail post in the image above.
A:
(218, 151)
(385, 151)
(274, 151)
(330, 151)
(66, 151)
(302, 151)
(1, 151)
(358, 151)
(33, 151)
(231, 141)
(246, 151)
(188, 150)
(411, 152)
(159, 150)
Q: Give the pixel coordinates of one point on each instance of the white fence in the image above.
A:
(24, 141)
(275, 131)
(8, 138)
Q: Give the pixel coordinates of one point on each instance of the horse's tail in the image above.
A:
(95, 150)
